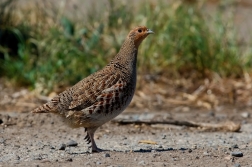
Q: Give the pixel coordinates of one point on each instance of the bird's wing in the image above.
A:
(110, 100)
(87, 91)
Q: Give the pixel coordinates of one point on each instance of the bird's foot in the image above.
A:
(96, 150)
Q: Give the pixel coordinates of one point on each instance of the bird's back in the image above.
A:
(106, 92)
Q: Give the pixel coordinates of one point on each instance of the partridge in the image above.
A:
(102, 95)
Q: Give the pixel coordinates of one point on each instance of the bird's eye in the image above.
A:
(139, 30)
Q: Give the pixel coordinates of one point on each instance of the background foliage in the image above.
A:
(44, 48)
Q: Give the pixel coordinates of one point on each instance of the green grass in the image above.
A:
(185, 41)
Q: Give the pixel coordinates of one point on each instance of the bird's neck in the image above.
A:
(127, 56)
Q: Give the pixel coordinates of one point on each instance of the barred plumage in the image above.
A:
(103, 95)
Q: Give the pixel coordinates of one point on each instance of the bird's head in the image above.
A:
(138, 34)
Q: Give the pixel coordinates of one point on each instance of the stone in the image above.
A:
(106, 155)
(237, 154)
(62, 147)
(72, 143)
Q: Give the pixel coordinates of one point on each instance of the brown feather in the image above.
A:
(103, 95)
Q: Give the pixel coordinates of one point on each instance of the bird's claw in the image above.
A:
(96, 150)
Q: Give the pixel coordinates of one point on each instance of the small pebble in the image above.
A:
(194, 146)
(69, 159)
(62, 147)
(205, 153)
(141, 163)
(148, 147)
(234, 146)
(37, 157)
(155, 155)
(2, 140)
(107, 155)
(98, 163)
(17, 157)
(237, 165)
(237, 154)
(124, 138)
(211, 114)
(72, 143)
(190, 150)
(174, 159)
(67, 149)
(164, 137)
(245, 115)
(16, 145)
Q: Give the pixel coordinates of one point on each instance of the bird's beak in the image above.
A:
(149, 31)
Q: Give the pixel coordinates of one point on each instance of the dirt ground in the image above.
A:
(44, 140)
(35, 140)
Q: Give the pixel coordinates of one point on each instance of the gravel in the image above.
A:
(106, 155)
(72, 143)
(234, 146)
(69, 159)
(37, 157)
(141, 163)
(237, 165)
(62, 146)
(42, 144)
(237, 154)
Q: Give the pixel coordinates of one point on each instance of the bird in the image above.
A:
(103, 95)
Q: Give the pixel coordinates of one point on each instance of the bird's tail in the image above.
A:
(45, 108)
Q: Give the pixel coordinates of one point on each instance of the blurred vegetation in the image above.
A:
(44, 49)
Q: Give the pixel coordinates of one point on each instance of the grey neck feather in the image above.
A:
(126, 59)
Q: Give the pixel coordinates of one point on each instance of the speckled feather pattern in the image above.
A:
(103, 95)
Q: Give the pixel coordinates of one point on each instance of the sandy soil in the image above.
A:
(36, 140)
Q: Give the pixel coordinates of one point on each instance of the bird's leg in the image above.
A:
(87, 138)
(94, 146)
(91, 132)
